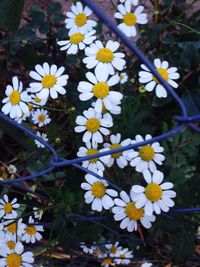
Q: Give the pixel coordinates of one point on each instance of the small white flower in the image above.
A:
(127, 212)
(11, 169)
(113, 249)
(130, 18)
(104, 57)
(87, 250)
(123, 77)
(120, 157)
(168, 74)
(15, 103)
(37, 213)
(146, 264)
(6, 242)
(155, 196)
(16, 258)
(8, 208)
(94, 125)
(31, 232)
(124, 256)
(44, 137)
(40, 117)
(77, 40)
(96, 163)
(50, 81)
(77, 18)
(146, 156)
(97, 193)
(106, 261)
(36, 101)
(14, 229)
(99, 86)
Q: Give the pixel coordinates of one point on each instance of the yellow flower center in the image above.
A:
(98, 190)
(146, 153)
(76, 38)
(122, 256)
(49, 81)
(30, 107)
(132, 212)
(12, 228)
(163, 73)
(15, 97)
(113, 249)
(115, 155)
(11, 244)
(13, 260)
(107, 261)
(31, 230)
(80, 19)
(153, 192)
(8, 207)
(101, 90)
(37, 100)
(105, 55)
(41, 118)
(92, 125)
(130, 19)
(92, 151)
(121, 76)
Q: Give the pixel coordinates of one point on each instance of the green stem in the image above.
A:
(186, 26)
(48, 108)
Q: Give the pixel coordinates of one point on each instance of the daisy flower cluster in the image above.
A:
(15, 234)
(7, 171)
(110, 254)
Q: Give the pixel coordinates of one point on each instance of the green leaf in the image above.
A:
(10, 14)
(192, 102)
(190, 57)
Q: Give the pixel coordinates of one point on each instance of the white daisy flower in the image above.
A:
(97, 193)
(123, 77)
(15, 103)
(113, 248)
(96, 163)
(31, 232)
(146, 264)
(14, 229)
(124, 256)
(127, 212)
(94, 125)
(77, 18)
(50, 81)
(87, 250)
(6, 241)
(44, 137)
(133, 2)
(77, 40)
(130, 18)
(155, 196)
(99, 87)
(40, 117)
(104, 57)
(168, 74)
(11, 169)
(146, 156)
(8, 208)
(16, 258)
(115, 110)
(120, 157)
(37, 213)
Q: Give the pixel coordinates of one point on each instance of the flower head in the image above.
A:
(32, 232)
(15, 103)
(97, 193)
(155, 196)
(43, 136)
(50, 81)
(146, 156)
(99, 86)
(8, 208)
(106, 57)
(168, 74)
(40, 117)
(130, 18)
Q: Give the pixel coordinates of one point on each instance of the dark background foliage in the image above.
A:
(172, 35)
